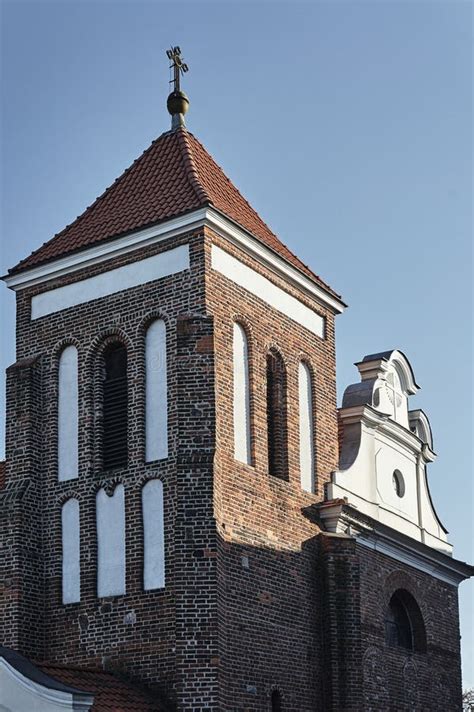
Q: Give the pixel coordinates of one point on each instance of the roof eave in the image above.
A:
(205, 216)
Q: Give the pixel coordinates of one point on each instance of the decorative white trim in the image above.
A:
(115, 280)
(68, 414)
(265, 290)
(153, 535)
(306, 426)
(111, 553)
(156, 392)
(340, 518)
(243, 239)
(105, 251)
(171, 228)
(241, 395)
(71, 551)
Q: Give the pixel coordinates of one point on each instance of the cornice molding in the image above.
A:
(105, 251)
(243, 239)
(341, 518)
(171, 228)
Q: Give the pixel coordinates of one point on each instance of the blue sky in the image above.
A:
(346, 124)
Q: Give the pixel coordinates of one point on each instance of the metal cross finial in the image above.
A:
(178, 66)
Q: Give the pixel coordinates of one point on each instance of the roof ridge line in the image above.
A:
(190, 166)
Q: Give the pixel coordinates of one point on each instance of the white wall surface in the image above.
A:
(20, 694)
(68, 415)
(242, 446)
(368, 485)
(115, 280)
(306, 427)
(111, 542)
(261, 287)
(71, 547)
(153, 535)
(156, 411)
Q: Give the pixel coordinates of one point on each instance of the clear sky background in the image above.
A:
(346, 124)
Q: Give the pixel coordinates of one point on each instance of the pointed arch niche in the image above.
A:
(71, 555)
(277, 435)
(241, 395)
(153, 535)
(306, 424)
(110, 513)
(114, 406)
(156, 392)
(68, 414)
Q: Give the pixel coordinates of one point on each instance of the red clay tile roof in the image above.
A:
(175, 175)
(111, 694)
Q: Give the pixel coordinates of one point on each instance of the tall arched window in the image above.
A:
(276, 701)
(153, 535)
(115, 416)
(242, 444)
(110, 513)
(71, 567)
(276, 416)
(68, 413)
(305, 387)
(156, 410)
(404, 626)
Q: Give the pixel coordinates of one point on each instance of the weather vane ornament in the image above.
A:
(178, 102)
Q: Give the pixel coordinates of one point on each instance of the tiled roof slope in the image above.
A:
(111, 694)
(175, 175)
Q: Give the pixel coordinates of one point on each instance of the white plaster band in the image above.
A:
(268, 292)
(111, 282)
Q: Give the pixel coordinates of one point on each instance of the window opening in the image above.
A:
(115, 416)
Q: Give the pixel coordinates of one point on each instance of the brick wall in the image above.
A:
(395, 679)
(269, 606)
(136, 631)
(256, 597)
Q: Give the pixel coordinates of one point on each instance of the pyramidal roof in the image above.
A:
(174, 176)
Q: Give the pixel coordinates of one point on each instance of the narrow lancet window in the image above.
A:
(276, 416)
(111, 543)
(115, 417)
(156, 411)
(242, 444)
(276, 701)
(68, 413)
(305, 387)
(153, 535)
(71, 567)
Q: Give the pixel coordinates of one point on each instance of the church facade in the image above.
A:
(187, 520)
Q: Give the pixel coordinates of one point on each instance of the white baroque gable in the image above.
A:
(385, 451)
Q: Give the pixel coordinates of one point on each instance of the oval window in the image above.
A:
(398, 483)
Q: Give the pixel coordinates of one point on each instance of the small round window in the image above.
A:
(398, 483)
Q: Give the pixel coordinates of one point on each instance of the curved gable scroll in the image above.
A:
(385, 451)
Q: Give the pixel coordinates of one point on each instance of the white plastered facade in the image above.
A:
(385, 452)
(20, 693)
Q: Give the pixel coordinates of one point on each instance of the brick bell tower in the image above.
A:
(174, 508)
